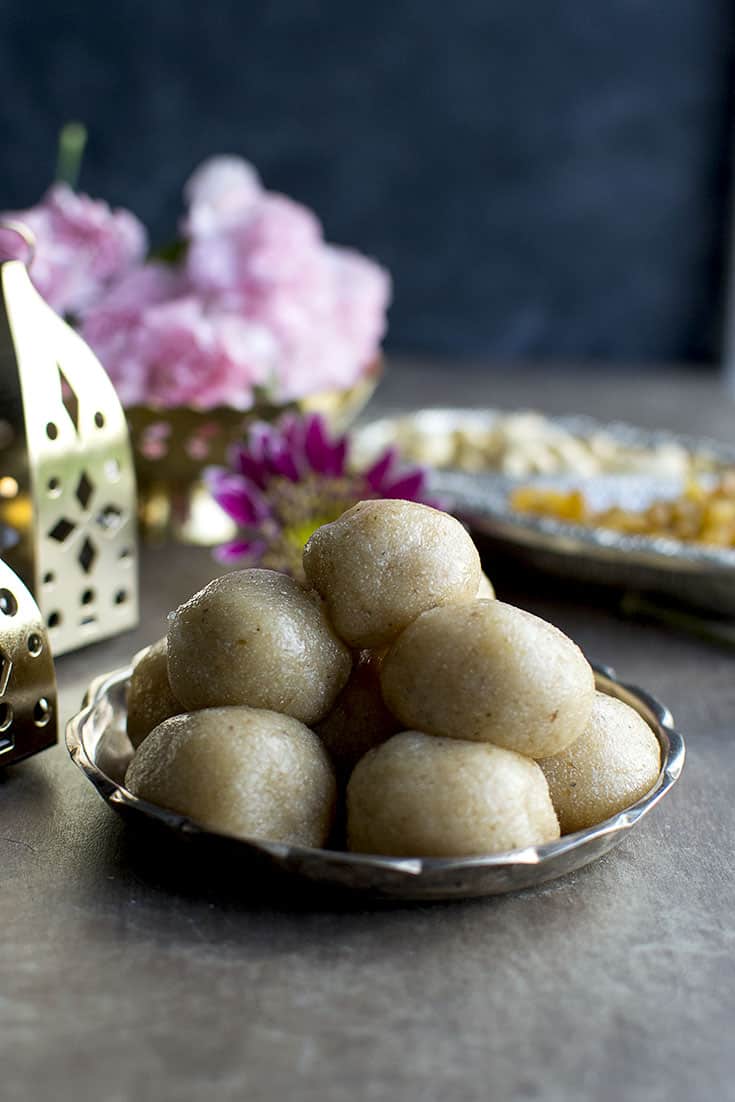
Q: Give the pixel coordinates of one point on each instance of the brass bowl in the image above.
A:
(172, 447)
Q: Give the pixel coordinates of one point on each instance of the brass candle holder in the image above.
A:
(67, 484)
(28, 712)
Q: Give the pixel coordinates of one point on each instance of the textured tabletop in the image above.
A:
(127, 974)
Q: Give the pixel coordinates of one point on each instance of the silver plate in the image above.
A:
(693, 574)
(98, 744)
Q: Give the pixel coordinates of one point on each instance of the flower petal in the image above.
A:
(244, 462)
(317, 446)
(239, 497)
(339, 457)
(293, 433)
(282, 463)
(376, 475)
(240, 549)
(260, 439)
(407, 488)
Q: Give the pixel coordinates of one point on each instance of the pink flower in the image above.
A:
(263, 256)
(229, 356)
(126, 302)
(220, 193)
(175, 352)
(82, 247)
(274, 244)
(258, 299)
(363, 291)
(287, 479)
(113, 326)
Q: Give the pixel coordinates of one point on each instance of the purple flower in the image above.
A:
(82, 247)
(288, 479)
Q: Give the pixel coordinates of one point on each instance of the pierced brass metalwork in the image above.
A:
(173, 446)
(28, 711)
(67, 485)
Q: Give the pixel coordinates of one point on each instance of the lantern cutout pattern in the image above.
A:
(67, 485)
(28, 711)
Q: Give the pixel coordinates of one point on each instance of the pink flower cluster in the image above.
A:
(259, 299)
(82, 247)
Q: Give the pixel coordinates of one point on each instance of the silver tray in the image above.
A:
(98, 744)
(692, 574)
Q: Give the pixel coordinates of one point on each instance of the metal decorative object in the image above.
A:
(173, 446)
(693, 574)
(67, 486)
(28, 712)
(98, 744)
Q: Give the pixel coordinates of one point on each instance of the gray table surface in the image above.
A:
(125, 974)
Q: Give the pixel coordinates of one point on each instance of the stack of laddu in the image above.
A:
(449, 722)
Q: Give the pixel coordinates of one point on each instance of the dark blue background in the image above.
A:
(544, 179)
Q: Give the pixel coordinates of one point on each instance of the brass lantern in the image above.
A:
(67, 486)
(28, 714)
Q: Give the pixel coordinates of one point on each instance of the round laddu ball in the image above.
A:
(241, 771)
(382, 563)
(615, 761)
(150, 699)
(421, 796)
(486, 589)
(256, 637)
(490, 672)
(359, 719)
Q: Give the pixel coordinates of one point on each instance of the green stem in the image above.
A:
(72, 142)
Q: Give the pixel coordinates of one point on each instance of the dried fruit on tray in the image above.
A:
(701, 514)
